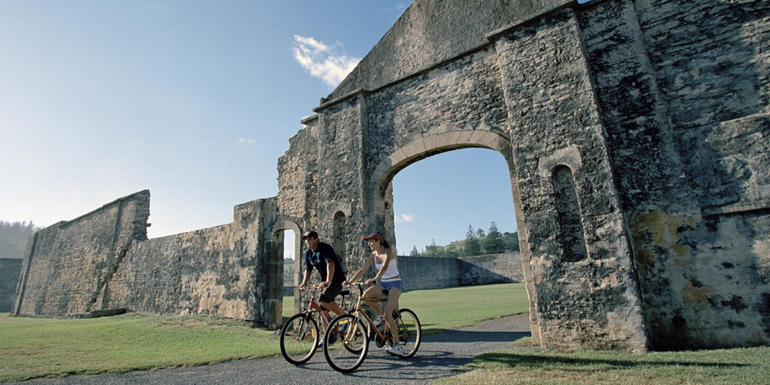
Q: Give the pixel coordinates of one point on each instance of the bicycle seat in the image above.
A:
(345, 292)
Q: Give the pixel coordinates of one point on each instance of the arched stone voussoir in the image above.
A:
(432, 145)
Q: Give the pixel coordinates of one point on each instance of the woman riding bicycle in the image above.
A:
(386, 262)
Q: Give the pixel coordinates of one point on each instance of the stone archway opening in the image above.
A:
(437, 198)
(382, 214)
(287, 237)
(290, 260)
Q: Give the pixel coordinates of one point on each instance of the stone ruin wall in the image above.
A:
(656, 112)
(434, 273)
(67, 265)
(636, 136)
(420, 273)
(103, 260)
(683, 87)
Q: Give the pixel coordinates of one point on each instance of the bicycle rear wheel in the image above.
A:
(299, 338)
(346, 343)
(409, 332)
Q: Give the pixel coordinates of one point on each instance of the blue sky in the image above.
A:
(196, 101)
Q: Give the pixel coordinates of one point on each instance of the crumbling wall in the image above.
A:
(432, 32)
(222, 271)
(67, 265)
(103, 260)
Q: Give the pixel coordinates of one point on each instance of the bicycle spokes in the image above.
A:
(409, 332)
(299, 338)
(346, 343)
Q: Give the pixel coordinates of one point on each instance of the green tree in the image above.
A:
(511, 241)
(14, 237)
(471, 246)
(430, 250)
(494, 243)
(414, 252)
(481, 238)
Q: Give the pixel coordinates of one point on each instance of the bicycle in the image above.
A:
(300, 334)
(353, 332)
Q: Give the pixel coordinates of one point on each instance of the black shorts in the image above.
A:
(331, 292)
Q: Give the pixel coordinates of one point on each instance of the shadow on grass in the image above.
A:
(534, 360)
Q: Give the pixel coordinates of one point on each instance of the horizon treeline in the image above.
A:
(476, 242)
(14, 237)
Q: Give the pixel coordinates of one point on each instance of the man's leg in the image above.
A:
(327, 298)
(336, 309)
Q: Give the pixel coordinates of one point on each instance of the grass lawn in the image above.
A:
(441, 309)
(746, 366)
(37, 347)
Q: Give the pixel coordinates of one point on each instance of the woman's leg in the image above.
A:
(372, 292)
(393, 295)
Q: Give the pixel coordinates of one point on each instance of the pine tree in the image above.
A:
(471, 246)
(494, 243)
(414, 252)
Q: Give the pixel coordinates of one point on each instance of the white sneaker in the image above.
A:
(378, 320)
(395, 350)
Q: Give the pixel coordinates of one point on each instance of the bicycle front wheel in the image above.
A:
(346, 343)
(409, 332)
(299, 338)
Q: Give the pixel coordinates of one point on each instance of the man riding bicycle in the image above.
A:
(321, 256)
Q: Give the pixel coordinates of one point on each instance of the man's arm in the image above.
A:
(329, 274)
(305, 279)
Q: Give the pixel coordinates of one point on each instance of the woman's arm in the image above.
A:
(363, 268)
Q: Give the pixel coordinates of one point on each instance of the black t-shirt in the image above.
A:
(322, 255)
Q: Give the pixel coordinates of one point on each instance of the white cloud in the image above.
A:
(247, 141)
(323, 61)
(405, 218)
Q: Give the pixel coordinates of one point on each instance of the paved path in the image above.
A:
(439, 356)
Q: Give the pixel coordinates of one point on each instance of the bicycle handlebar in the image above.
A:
(310, 288)
(359, 283)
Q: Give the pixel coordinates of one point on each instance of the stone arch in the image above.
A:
(423, 148)
(277, 237)
(386, 170)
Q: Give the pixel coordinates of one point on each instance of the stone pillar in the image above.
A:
(582, 301)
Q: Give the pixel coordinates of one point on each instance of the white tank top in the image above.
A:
(392, 269)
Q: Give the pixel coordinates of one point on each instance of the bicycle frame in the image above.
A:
(346, 339)
(300, 335)
(312, 306)
(360, 312)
